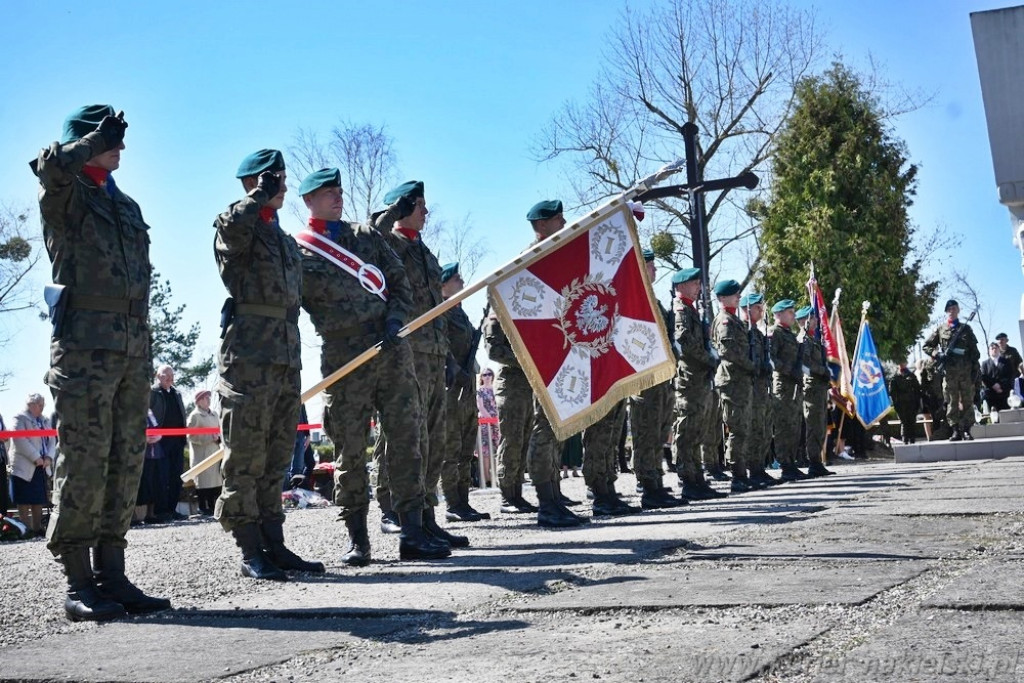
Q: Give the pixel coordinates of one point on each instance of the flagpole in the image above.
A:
(524, 260)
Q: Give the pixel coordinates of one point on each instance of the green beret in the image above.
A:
(804, 312)
(543, 210)
(727, 288)
(783, 305)
(411, 189)
(325, 177)
(685, 275)
(83, 121)
(258, 162)
(751, 299)
(648, 255)
(448, 271)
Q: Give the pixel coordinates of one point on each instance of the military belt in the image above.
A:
(137, 308)
(290, 313)
(362, 330)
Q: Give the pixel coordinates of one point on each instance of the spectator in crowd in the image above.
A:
(201, 447)
(1018, 385)
(487, 407)
(572, 455)
(1012, 354)
(300, 473)
(5, 487)
(933, 405)
(905, 391)
(153, 483)
(32, 464)
(169, 410)
(997, 375)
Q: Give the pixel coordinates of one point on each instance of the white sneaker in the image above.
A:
(846, 456)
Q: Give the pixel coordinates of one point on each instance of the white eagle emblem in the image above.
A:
(589, 318)
(868, 373)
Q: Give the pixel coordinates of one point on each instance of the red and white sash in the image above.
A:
(369, 276)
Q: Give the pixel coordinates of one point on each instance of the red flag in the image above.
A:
(828, 341)
(584, 323)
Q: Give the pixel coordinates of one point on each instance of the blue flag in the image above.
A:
(869, 393)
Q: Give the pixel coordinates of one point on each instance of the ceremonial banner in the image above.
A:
(824, 333)
(842, 389)
(869, 393)
(584, 323)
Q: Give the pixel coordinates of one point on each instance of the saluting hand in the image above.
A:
(270, 183)
(112, 129)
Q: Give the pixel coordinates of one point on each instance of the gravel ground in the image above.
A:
(195, 564)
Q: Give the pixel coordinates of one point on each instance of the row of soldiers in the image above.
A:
(727, 375)
(360, 284)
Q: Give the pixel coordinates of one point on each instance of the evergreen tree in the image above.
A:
(169, 344)
(840, 193)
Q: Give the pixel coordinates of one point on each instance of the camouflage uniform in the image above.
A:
(734, 380)
(695, 399)
(429, 350)
(787, 393)
(600, 444)
(650, 416)
(461, 410)
(961, 371)
(514, 398)
(350, 319)
(815, 396)
(546, 450)
(259, 360)
(760, 406)
(98, 244)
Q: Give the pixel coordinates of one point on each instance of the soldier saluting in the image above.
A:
(98, 244)
(955, 348)
(259, 364)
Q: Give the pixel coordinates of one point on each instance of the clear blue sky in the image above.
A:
(463, 87)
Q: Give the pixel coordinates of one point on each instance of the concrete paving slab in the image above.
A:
(971, 506)
(361, 592)
(156, 650)
(682, 586)
(993, 586)
(874, 537)
(979, 449)
(941, 492)
(664, 646)
(934, 646)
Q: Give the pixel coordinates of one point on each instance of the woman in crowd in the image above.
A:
(31, 464)
(153, 484)
(201, 447)
(487, 407)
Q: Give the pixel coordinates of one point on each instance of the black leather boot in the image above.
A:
(280, 555)
(508, 497)
(760, 476)
(431, 526)
(358, 552)
(793, 473)
(956, 435)
(415, 543)
(521, 503)
(464, 499)
(817, 469)
(656, 497)
(108, 562)
(550, 513)
(563, 500)
(458, 509)
(84, 601)
(389, 523)
(966, 434)
(255, 563)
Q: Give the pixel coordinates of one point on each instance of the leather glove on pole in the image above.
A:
(112, 129)
(392, 326)
(270, 183)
